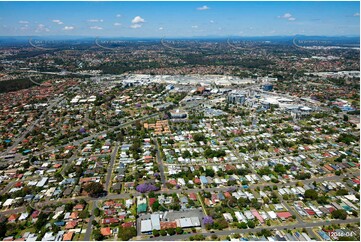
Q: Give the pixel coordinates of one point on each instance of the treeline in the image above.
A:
(15, 85)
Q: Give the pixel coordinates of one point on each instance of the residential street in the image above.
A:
(110, 167)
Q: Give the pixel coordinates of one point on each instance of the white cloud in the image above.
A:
(95, 20)
(160, 28)
(41, 28)
(138, 20)
(118, 15)
(23, 22)
(117, 24)
(66, 28)
(135, 26)
(211, 21)
(24, 27)
(96, 27)
(57, 21)
(195, 27)
(203, 8)
(287, 16)
(357, 15)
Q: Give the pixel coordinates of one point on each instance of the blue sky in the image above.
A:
(179, 19)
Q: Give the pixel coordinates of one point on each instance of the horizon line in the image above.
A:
(164, 37)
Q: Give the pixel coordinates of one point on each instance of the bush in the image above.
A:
(214, 237)
(197, 237)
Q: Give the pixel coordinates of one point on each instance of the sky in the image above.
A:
(179, 19)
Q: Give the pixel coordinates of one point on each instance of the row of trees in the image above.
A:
(170, 231)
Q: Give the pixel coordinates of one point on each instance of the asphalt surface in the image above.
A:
(110, 167)
(160, 163)
(233, 231)
(90, 226)
(194, 190)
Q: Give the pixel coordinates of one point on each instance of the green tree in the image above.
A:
(280, 169)
(155, 206)
(186, 154)
(345, 118)
(40, 223)
(199, 137)
(97, 235)
(210, 172)
(251, 224)
(84, 214)
(3, 229)
(155, 232)
(341, 192)
(339, 214)
(96, 212)
(127, 233)
(322, 200)
(179, 230)
(265, 232)
(171, 231)
(94, 188)
(311, 194)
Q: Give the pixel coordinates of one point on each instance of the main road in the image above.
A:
(254, 230)
(135, 193)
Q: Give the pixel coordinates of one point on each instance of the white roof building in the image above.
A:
(146, 226)
(272, 214)
(8, 202)
(155, 221)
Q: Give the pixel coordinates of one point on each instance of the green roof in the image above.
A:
(142, 208)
